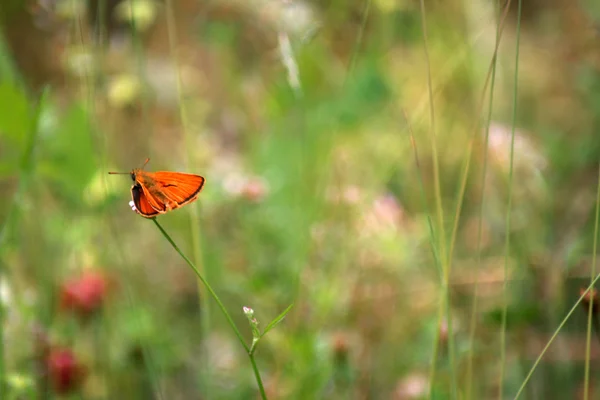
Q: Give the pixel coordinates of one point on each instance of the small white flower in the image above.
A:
(5, 293)
(234, 183)
(413, 386)
(289, 62)
(132, 205)
(248, 311)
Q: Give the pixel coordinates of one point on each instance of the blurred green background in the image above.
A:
(332, 182)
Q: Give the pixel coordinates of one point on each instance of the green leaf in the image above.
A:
(15, 116)
(69, 155)
(277, 320)
(34, 128)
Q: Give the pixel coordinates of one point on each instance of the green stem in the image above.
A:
(261, 388)
(445, 306)
(473, 323)
(432, 239)
(508, 212)
(221, 306)
(194, 227)
(205, 283)
(554, 336)
(434, 250)
(593, 302)
(359, 38)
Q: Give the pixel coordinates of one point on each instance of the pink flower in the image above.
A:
(384, 214)
(85, 294)
(255, 189)
(251, 188)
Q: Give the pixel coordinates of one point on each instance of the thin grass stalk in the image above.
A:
(555, 335)
(465, 174)
(441, 242)
(433, 136)
(359, 38)
(138, 48)
(508, 210)
(473, 318)
(222, 307)
(464, 177)
(149, 363)
(141, 66)
(593, 302)
(88, 92)
(196, 235)
(432, 240)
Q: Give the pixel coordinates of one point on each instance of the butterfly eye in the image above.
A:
(132, 176)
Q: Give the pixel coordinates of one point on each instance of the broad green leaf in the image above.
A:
(14, 118)
(277, 320)
(69, 155)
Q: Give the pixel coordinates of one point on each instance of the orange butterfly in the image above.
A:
(156, 193)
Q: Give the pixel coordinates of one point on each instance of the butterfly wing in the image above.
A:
(177, 188)
(142, 205)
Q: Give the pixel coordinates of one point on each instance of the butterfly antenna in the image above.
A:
(145, 162)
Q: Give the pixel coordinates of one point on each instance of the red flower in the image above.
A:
(85, 294)
(64, 371)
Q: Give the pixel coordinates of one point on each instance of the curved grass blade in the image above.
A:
(277, 320)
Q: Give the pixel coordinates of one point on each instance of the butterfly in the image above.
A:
(156, 193)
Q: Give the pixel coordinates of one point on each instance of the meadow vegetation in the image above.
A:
(408, 190)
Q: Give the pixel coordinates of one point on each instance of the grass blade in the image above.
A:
(277, 320)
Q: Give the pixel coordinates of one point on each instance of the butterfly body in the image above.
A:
(156, 193)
